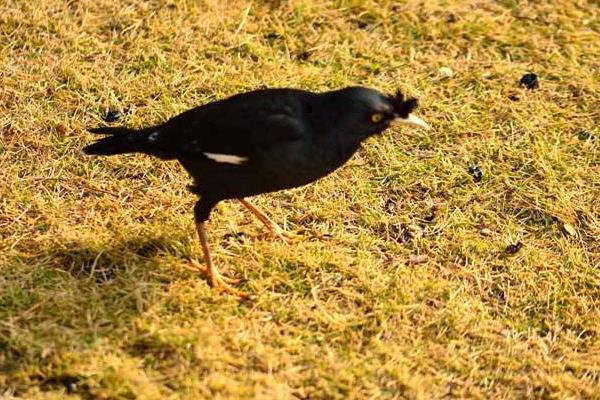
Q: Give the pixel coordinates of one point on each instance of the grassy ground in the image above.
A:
(401, 285)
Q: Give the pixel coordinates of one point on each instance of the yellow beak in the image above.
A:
(413, 120)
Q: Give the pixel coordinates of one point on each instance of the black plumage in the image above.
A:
(261, 141)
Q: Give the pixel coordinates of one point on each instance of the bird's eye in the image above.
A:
(377, 117)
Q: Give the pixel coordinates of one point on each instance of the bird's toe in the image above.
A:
(216, 280)
(285, 236)
(222, 284)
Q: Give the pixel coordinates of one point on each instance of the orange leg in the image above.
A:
(273, 228)
(215, 279)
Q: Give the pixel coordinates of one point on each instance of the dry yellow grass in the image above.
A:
(95, 299)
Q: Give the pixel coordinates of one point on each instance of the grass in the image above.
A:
(400, 286)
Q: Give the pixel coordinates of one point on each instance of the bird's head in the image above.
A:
(373, 111)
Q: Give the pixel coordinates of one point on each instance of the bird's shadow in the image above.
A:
(67, 285)
(103, 263)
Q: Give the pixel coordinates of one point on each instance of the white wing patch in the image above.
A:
(153, 136)
(226, 158)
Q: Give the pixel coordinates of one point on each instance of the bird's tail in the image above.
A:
(119, 141)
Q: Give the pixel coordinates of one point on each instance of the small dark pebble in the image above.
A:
(235, 236)
(112, 116)
(303, 55)
(514, 248)
(450, 18)
(530, 81)
(69, 382)
(429, 218)
(584, 134)
(362, 24)
(476, 173)
(271, 36)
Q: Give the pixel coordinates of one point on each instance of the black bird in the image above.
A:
(261, 141)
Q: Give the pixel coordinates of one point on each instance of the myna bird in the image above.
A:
(259, 142)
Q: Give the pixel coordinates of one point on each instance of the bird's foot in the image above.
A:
(274, 229)
(218, 281)
(287, 237)
(284, 236)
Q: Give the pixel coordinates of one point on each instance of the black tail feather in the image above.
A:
(121, 141)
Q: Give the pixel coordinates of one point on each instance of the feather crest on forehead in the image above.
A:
(403, 107)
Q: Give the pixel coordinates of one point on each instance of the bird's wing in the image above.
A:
(240, 126)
